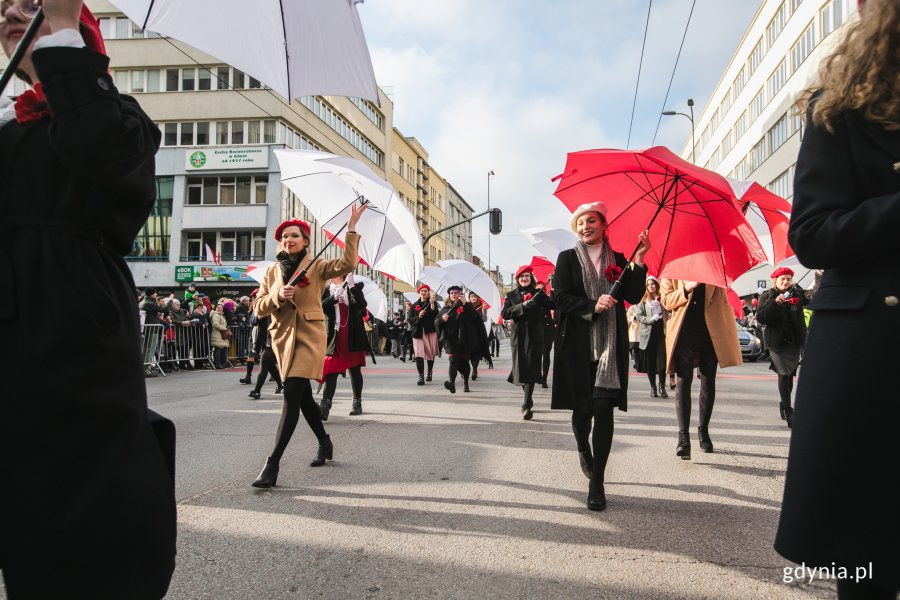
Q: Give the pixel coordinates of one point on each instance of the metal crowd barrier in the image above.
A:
(171, 344)
(240, 346)
(151, 342)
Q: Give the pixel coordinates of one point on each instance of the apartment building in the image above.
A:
(749, 129)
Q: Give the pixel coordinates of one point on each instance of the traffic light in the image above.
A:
(496, 221)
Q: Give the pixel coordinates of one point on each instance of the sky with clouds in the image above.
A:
(512, 86)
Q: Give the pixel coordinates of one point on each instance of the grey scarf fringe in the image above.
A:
(603, 328)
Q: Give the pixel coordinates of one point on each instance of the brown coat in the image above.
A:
(719, 320)
(298, 325)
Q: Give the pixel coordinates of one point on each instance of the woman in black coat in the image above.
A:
(461, 331)
(840, 507)
(524, 308)
(780, 309)
(88, 508)
(421, 320)
(344, 306)
(267, 361)
(591, 357)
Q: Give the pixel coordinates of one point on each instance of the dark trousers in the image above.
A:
(602, 416)
(356, 383)
(684, 369)
(459, 364)
(298, 398)
(268, 366)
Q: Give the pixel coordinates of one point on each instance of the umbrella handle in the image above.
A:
(302, 272)
(21, 47)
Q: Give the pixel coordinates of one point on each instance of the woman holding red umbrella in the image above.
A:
(591, 358)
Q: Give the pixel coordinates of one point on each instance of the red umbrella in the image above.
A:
(736, 303)
(697, 231)
(767, 213)
(543, 268)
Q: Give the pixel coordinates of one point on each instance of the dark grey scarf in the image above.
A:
(603, 328)
(289, 264)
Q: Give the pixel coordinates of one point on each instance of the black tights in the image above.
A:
(356, 383)
(420, 365)
(298, 397)
(684, 368)
(785, 387)
(848, 589)
(603, 434)
(268, 366)
(460, 365)
(662, 379)
(545, 362)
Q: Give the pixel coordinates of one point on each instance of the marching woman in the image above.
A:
(89, 509)
(479, 307)
(462, 333)
(549, 336)
(591, 357)
(266, 356)
(780, 309)
(298, 330)
(345, 306)
(420, 319)
(524, 308)
(651, 353)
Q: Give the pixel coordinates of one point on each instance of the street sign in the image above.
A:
(761, 283)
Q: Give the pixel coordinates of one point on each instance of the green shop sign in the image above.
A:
(194, 273)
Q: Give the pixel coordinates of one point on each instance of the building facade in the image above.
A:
(749, 128)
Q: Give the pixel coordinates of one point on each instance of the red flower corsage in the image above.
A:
(304, 281)
(31, 105)
(418, 308)
(459, 310)
(794, 301)
(526, 297)
(612, 273)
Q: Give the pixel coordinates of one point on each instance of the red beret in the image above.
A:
(525, 269)
(292, 223)
(423, 286)
(781, 271)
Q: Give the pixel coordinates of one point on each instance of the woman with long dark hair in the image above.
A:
(345, 306)
(840, 507)
(298, 330)
(420, 319)
(591, 358)
(524, 308)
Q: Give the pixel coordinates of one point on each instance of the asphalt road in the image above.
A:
(433, 495)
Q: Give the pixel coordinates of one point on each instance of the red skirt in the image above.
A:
(343, 359)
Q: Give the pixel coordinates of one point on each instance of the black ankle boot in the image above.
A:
(683, 449)
(653, 393)
(662, 389)
(325, 408)
(596, 499)
(450, 386)
(466, 385)
(279, 389)
(269, 475)
(474, 373)
(326, 450)
(587, 462)
(254, 394)
(421, 380)
(787, 413)
(356, 408)
(428, 377)
(245, 380)
(705, 442)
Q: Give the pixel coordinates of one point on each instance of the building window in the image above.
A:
(804, 47)
(241, 189)
(172, 80)
(726, 103)
(401, 166)
(739, 82)
(346, 131)
(777, 134)
(231, 245)
(740, 127)
(831, 17)
(756, 56)
(152, 241)
(757, 105)
(776, 25)
(370, 111)
(783, 184)
(777, 79)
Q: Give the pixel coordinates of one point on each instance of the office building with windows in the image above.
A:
(749, 128)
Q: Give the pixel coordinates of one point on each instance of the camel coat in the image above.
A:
(719, 321)
(298, 325)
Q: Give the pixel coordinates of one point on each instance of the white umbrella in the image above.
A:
(328, 185)
(476, 280)
(297, 48)
(376, 301)
(549, 242)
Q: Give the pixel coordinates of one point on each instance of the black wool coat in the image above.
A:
(839, 500)
(88, 497)
(526, 333)
(572, 383)
(357, 338)
(782, 319)
(463, 332)
(426, 323)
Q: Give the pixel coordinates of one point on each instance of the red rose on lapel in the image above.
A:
(459, 310)
(526, 297)
(612, 273)
(418, 308)
(31, 105)
(304, 281)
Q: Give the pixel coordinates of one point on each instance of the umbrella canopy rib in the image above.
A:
(287, 56)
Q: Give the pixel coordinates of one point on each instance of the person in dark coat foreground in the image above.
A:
(88, 508)
(840, 506)
(524, 308)
(461, 331)
(591, 356)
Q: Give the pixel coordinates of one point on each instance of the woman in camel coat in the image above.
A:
(701, 332)
(298, 331)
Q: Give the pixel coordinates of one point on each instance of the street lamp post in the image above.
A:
(690, 104)
(489, 176)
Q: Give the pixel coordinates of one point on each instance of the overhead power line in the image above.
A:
(638, 82)
(666, 100)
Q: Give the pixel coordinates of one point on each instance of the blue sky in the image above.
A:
(512, 86)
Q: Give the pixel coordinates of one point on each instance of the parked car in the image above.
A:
(752, 348)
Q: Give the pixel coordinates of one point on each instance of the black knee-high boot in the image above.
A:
(430, 369)
(450, 384)
(465, 370)
(785, 387)
(602, 442)
(420, 367)
(581, 427)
